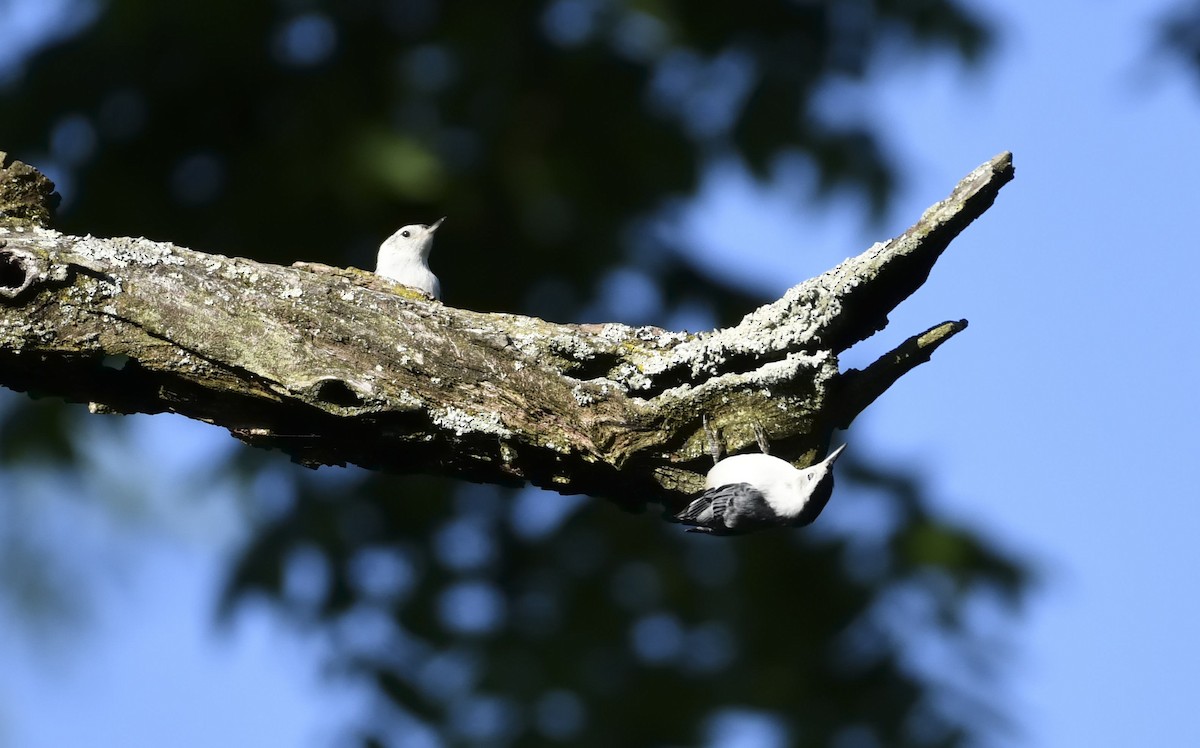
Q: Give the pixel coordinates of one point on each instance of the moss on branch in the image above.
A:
(338, 366)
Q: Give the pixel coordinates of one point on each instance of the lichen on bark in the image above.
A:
(338, 366)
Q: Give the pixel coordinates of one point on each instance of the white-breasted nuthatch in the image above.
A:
(749, 492)
(404, 258)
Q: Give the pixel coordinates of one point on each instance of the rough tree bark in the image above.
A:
(337, 366)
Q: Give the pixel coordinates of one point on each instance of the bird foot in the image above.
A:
(713, 439)
(761, 435)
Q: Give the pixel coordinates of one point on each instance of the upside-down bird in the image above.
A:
(749, 492)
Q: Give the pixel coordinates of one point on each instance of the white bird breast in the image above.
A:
(402, 258)
(759, 470)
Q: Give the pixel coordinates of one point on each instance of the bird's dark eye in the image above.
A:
(404, 233)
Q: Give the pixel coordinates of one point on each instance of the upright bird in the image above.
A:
(749, 492)
(404, 258)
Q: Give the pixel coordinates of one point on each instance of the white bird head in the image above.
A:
(411, 242)
(804, 480)
(403, 257)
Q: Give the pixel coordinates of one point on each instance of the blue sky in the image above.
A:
(1063, 421)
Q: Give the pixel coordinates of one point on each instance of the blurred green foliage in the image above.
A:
(1179, 35)
(558, 136)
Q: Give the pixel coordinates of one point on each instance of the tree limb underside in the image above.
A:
(337, 366)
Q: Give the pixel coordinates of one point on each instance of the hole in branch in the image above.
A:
(337, 392)
(12, 270)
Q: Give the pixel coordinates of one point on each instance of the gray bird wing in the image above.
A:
(727, 510)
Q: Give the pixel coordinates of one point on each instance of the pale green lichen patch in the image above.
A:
(123, 252)
(632, 378)
(407, 401)
(796, 367)
(461, 422)
(410, 293)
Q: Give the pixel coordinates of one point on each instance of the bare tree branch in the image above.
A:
(860, 388)
(338, 366)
